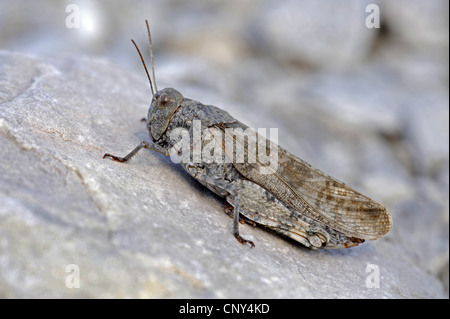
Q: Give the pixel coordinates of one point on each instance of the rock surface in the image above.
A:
(368, 106)
(146, 228)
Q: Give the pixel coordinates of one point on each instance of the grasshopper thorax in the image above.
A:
(165, 103)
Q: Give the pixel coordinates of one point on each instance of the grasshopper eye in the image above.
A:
(164, 100)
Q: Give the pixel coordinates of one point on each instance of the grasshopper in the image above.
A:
(293, 198)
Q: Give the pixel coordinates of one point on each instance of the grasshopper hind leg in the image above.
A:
(222, 187)
(236, 222)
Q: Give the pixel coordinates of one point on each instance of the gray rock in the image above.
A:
(292, 31)
(418, 25)
(147, 229)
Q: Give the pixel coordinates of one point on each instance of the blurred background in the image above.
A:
(364, 102)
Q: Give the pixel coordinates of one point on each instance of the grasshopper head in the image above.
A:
(165, 103)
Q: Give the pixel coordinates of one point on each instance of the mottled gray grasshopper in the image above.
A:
(292, 197)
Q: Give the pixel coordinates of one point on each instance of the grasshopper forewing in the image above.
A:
(307, 190)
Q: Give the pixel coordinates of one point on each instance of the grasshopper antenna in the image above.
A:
(151, 54)
(145, 67)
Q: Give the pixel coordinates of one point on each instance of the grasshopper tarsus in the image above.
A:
(115, 158)
(244, 241)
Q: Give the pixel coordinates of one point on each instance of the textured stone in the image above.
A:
(292, 31)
